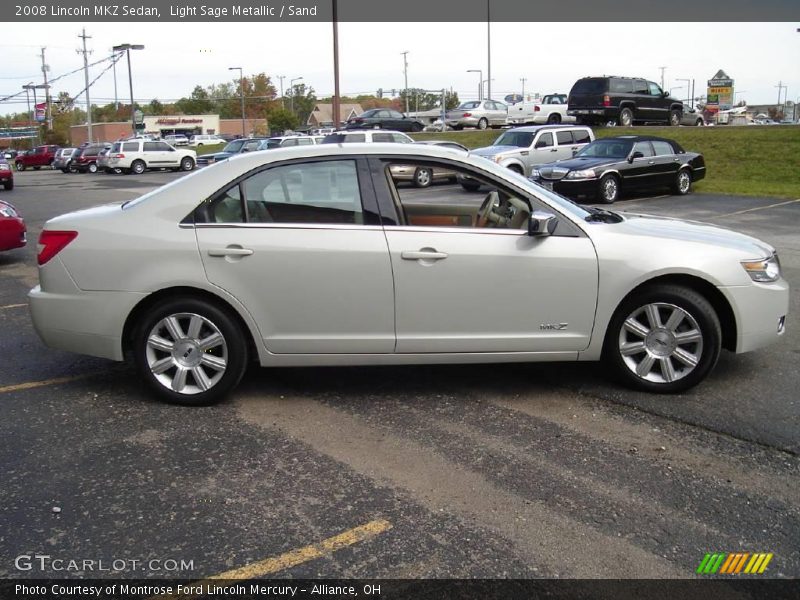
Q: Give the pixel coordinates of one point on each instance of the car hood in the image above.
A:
(495, 150)
(216, 156)
(584, 162)
(653, 226)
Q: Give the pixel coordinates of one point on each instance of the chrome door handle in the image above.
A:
(423, 255)
(230, 251)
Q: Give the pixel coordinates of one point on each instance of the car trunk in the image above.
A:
(588, 92)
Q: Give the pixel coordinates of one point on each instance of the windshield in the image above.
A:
(607, 149)
(469, 105)
(234, 146)
(521, 139)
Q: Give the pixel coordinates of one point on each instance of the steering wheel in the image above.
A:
(486, 212)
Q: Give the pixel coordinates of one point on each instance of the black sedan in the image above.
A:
(384, 118)
(606, 167)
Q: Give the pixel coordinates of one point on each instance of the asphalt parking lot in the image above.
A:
(438, 471)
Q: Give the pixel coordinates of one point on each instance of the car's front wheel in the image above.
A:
(675, 118)
(483, 124)
(626, 117)
(138, 167)
(20, 166)
(609, 189)
(423, 177)
(663, 339)
(187, 164)
(189, 351)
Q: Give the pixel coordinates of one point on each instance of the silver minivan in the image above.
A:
(521, 148)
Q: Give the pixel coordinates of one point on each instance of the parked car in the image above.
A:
(359, 137)
(551, 109)
(136, 156)
(609, 166)
(231, 148)
(205, 140)
(10, 153)
(521, 148)
(63, 159)
(13, 233)
(85, 159)
(176, 140)
(691, 117)
(38, 157)
(477, 113)
(327, 271)
(384, 118)
(423, 176)
(6, 175)
(622, 100)
(287, 141)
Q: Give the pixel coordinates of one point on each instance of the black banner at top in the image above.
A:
(398, 11)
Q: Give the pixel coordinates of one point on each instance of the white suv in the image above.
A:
(135, 156)
(361, 136)
(177, 140)
(206, 140)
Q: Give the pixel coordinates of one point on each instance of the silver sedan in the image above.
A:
(312, 256)
(477, 113)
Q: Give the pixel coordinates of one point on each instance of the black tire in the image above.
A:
(608, 189)
(138, 167)
(92, 168)
(699, 123)
(416, 127)
(231, 352)
(625, 117)
(482, 123)
(458, 127)
(554, 119)
(423, 177)
(20, 166)
(36, 168)
(665, 373)
(8, 185)
(187, 164)
(674, 118)
(683, 183)
(64, 170)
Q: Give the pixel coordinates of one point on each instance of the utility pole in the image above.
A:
(405, 75)
(523, 80)
(85, 37)
(336, 106)
(114, 59)
(662, 76)
(283, 101)
(489, 48)
(45, 68)
(780, 87)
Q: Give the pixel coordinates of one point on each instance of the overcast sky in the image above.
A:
(551, 56)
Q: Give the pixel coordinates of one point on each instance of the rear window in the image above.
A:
(592, 85)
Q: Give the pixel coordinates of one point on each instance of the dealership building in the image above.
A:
(161, 125)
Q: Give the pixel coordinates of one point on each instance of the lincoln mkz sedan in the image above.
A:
(314, 256)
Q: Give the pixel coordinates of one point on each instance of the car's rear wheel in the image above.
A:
(625, 117)
(189, 351)
(483, 124)
(683, 182)
(36, 168)
(663, 339)
(187, 164)
(416, 127)
(699, 123)
(20, 166)
(609, 189)
(92, 167)
(423, 177)
(138, 167)
(675, 118)
(554, 119)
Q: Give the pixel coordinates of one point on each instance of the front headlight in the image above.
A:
(7, 211)
(535, 174)
(584, 174)
(764, 270)
(4, 167)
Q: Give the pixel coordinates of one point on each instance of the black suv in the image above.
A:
(623, 100)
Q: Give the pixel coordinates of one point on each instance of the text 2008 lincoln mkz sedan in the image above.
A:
(313, 256)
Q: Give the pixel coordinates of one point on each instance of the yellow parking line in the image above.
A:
(747, 210)
(12, 306)
(34, 384)
(290, 559)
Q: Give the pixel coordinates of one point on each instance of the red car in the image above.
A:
(12, 228)
(40, 156)
(6, 175)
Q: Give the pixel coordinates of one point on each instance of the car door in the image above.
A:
(544, 148)
(498, 113)
(666, 163)
(301, 247)
(641, 172)
(478, 289)
(659, 102)
(565, 144)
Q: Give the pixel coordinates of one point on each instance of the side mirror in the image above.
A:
(541, 224)
(574, 152)
(665, 94)
(634, 156)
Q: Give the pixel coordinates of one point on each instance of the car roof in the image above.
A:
(533, 128)
(640, 138)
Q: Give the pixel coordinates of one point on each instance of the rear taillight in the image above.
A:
(467, 114)
(52, 242)
(119, 156)
(606, 101)
(537, 108)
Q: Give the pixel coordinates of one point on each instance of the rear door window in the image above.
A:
(621, 86)
(581, 136)
(564, 138)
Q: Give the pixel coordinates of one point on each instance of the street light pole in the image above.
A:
(523, 80)
(283, 100)
(127, 48)
(291, 87)
(688, 87)
(480, 82)
(405, 75)
(241, 95)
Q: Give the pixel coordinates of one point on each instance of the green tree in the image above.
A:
(281, 119)
(302, 99)
(155, 107)
(199, 103)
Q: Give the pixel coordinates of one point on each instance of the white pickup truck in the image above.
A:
(551, 109)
